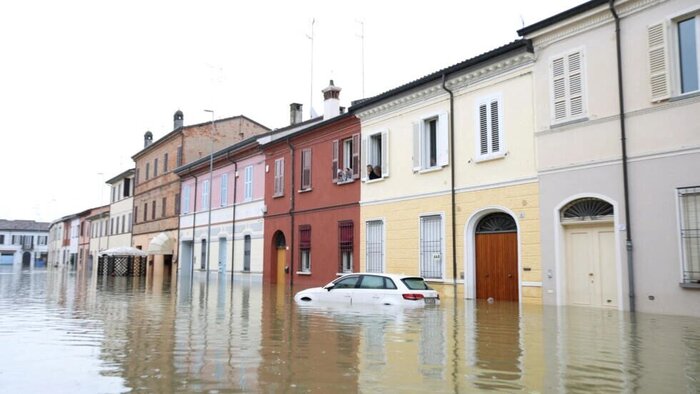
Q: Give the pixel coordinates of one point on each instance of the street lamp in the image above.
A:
(211, 188)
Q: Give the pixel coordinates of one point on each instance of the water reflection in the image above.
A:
(80, 333)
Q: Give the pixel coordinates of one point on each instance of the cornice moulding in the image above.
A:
(456, 83)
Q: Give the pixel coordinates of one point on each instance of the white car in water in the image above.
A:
(370, 288)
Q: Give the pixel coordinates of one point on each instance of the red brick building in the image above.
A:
(312, 193)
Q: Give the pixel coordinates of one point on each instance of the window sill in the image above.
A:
(690, 285)
(278, 195)
(304, 273)
(490, 157)
(304, 190)
(367, 180)
(344, 273)
(427, 170)
(684, 96)
(568, 122)
(344, 182)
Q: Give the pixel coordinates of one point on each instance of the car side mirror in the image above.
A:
(329, 286)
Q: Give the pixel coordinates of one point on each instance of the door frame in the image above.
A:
(560, 247)
(470, 249)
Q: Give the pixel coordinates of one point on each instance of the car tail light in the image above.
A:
(412, 296)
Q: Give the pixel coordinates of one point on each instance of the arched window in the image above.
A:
(498, 222)
(587, 209)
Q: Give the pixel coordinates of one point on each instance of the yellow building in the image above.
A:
(454, 193)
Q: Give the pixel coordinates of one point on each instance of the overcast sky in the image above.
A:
(82, 81)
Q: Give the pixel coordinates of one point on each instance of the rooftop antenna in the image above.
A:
(362, 38)
(522, 21)
(311, 97)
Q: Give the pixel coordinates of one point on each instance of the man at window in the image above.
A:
(371, 173)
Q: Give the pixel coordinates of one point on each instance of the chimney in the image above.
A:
(178, 119)
(147, 139)
(331, 101)
(295, 113)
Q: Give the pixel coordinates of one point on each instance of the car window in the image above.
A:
(415, 284)
(346, 283)
(372, 282)
(389, 284)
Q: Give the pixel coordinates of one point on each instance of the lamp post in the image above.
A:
(211, 170)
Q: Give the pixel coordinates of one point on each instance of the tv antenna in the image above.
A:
(311, 96)
(362, 38)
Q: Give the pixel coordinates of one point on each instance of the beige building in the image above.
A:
(618, 154)
(155, 218)
(457, 198)
(121, 209)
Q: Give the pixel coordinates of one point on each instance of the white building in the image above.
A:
(23, 243)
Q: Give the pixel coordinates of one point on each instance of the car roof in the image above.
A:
(393, 276)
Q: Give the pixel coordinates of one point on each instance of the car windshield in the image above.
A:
(415, 284)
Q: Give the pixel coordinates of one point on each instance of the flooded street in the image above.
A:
(61, 331)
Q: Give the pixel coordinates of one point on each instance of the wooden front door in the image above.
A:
(281, 262)
(497, 258)
(590, 265)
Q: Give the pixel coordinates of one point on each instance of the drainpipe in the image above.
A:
(623, 141)
(291, 214)
(452, 182)
(233, 228)
(194, 221)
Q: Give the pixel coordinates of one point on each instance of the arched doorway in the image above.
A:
(26, 259)
(280, 256)
(496, 241)
(589, 253)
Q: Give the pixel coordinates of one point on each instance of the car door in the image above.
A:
(343, 289)
(371, 290)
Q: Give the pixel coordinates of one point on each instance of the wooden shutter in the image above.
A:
(567, 87)
(334, 155)
(363, 158)
(559, 89)
(279, 177)
(658, 62)
(385, 154)
(443, 135)
(483, 130)
(306, 169)
(575, 79)
(417, 126)
(355, 156)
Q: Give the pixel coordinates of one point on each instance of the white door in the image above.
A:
(590, 266)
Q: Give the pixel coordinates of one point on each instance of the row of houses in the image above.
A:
(23, 243)
(561, 168)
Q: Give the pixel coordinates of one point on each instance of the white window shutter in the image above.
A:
(356, 156)
(363, 158)
(658, 62)
(385, 154)
(416, 146)
(575, 79)
(558, 89)
(483, 130)
(495, 139)
(443, 154)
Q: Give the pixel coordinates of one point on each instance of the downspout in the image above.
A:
(233, 228)
(452, 183)
(291, 214)
(625, 180)
(194, 221)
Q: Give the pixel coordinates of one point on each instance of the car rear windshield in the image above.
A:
(416, 284)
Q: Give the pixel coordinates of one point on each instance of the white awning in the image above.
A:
(124, 251)
(161, 244)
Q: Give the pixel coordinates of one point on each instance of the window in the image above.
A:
(248, 184)
(224, 190)
(345, 236)
(186, 199)
(567, 87)
(145, 211)
(346, 283)
(136, 177)
(430, 142)
(163, 207)
(375, 153)
(153, 210)
(179, 157)
(165, 162)
(127, 187)
(114, 193)
(688, 54)
(155, 167)
(346, 159)
(279, 178)
(305, 248)
(690, 233)
(431, 246)
(136, 214)
(2, 239)
(148, 170)
(123, 224)
(375, 246)
(128, 224)
(40, 240)
(116, 228)
(306, 169)
(205, 194)
(177, 204)
(489, 128)
(119, 191)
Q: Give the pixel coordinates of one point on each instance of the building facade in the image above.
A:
(456, 201)
(617, 153)
(24, 243)
(155, 219)
(312, 189)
